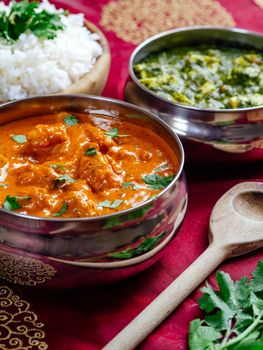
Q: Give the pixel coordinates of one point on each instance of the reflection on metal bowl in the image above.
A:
(64, 253)
(217, 135)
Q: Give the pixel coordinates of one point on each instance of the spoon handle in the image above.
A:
(142, 325)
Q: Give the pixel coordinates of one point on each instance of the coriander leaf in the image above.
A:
(57, 166)
(11, 203)
(126, 185)
(148, 244)
(114, 132)
(243, 320)
(91, 152)
(257, 304)
(4, 185)
(157, 182)
(26, 16)
(235, 310)
(61, 180)
(111, 204)
(212, 300)
(243, 290)
(70, 120)
(257, 279)
(63, 209)
(19, 138)
(162, 167)
(202, 337)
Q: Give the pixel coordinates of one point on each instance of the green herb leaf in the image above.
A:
(57, 166)
(11, 203)
(70, 120)
(202, 337)
(126, 185)
(114, 132)
(91, 152)
(26, 16)
(111, 204)
(148, 244)
(4, 185)
(63, 209)
(157, 182)
(234, 314)
(61, 180)
(162, 167)
(19, 138)
(257, 279)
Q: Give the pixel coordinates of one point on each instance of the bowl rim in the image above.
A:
(189, 29)
(120, 103)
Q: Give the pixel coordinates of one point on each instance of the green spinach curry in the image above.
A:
(205, 76)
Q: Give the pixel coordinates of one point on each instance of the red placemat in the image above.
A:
(88, 319)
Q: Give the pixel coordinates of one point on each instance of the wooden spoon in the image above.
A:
(236, 227)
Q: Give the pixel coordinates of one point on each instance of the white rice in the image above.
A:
(34, 66)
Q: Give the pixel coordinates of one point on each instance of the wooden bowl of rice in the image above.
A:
(39, 83)
(93, 82)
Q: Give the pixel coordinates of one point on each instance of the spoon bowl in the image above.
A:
(236, 227)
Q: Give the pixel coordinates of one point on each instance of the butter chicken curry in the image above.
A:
(65, 165)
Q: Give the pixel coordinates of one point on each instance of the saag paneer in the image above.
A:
(64, 165)
(205, 76)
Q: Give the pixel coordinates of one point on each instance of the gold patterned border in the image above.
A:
(19, 325)
(24, 270)
(136, 20)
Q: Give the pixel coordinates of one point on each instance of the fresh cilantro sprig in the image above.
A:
(114, 133)
(26, 16)
(62, 210)
(157, 182)
(19, 138)
(233, 314)
(12, 203)
(62, 180)
(111, 204)
(70, 120)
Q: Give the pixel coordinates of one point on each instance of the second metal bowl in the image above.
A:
(210, 134)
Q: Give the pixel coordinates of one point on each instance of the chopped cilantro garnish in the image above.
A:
(162, 167)
(11, 203)
(129, 184)
(70, 120)
(26, 16)
(126, 185)
(57, 166)
(19, 138)
(114, 132)
(4, 185)
(62, 210)
(61, 180)
(157, 182)
(111, 204)
(91, 152)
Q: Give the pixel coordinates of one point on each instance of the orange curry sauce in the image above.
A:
(64, 165)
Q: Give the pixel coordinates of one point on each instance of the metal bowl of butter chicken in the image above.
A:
(206, 83)
(91, 190)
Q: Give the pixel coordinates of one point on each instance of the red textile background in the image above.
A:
(87, 320)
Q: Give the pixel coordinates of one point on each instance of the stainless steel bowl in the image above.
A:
(209, 134)
(63, 253)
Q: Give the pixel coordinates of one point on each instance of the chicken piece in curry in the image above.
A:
(64, 165)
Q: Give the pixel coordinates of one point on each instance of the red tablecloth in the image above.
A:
(87, 320)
